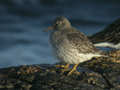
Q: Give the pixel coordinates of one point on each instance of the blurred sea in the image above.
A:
(22, 40)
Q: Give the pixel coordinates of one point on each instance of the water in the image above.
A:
(22, 40)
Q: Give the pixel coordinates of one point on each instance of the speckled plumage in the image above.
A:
(70, 45)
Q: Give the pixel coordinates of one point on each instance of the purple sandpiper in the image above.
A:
(70, 45)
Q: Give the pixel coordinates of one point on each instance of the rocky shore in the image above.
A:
(97, 74)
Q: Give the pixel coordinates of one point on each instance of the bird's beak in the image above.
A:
(49, 28)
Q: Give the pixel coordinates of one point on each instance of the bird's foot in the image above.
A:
(73, 69)
(63, 66)
(66, 68)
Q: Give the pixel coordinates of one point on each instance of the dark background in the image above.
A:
(22, 40)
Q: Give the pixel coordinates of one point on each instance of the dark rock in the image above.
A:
(102, 74)
(110, 34)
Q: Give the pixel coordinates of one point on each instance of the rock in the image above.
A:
(101, 74)
(109, 34)
(115, 54)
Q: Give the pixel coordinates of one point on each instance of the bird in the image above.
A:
(109, 37)
(70, 45)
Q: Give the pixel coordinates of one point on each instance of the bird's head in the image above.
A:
(60, 23)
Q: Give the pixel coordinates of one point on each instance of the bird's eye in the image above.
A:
(58, 23)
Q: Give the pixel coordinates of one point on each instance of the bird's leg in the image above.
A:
(73, 69)
(65, 67)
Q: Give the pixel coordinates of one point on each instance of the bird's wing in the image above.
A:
(81, 42)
